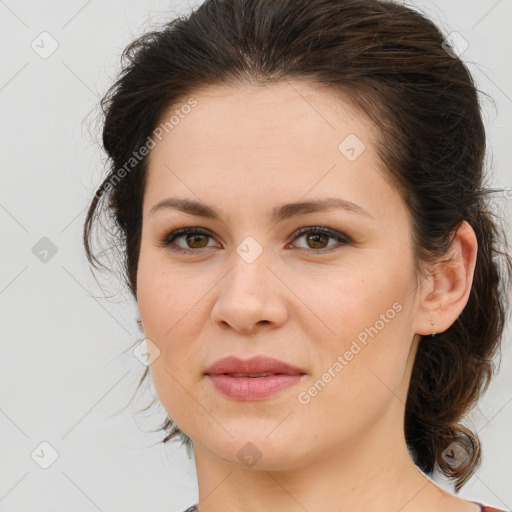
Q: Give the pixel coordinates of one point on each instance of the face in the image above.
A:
(336, 301)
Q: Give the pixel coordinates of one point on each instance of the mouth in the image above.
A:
(256, 367)
(252, 379)
(251, 387)
(252, 376)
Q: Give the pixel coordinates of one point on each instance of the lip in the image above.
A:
(258, 364)
(252, 388)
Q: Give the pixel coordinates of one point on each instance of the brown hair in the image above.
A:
(393, 64)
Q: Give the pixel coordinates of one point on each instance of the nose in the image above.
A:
(250, 297)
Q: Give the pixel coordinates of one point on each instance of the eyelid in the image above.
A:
(330, 232)
(178, 233)
(340, 237)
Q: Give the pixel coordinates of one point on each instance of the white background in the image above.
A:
(65, 378)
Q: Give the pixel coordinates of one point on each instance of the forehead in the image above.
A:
(294, 111)
(286, 139)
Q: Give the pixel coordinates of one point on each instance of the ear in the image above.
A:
(445, 292)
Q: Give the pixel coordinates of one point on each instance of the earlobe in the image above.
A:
(447, 289)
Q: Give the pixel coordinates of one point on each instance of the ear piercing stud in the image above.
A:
(432, 324)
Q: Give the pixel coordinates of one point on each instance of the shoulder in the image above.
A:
(484, 508)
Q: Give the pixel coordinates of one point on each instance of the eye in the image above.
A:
(318, 236)
(197, 239)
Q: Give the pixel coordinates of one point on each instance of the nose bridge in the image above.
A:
(248, 295)
(250, 261)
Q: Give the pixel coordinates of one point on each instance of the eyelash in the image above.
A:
(339, 237)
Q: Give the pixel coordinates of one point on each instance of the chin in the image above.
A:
(256, 452)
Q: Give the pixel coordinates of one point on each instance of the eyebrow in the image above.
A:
(278, 214)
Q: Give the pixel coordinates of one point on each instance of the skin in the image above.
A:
(246, 151)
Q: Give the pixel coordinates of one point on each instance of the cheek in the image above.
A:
(169, 304)
(368, 345)
(163, 306)
(357, 382)
(354, 302)
(163, 297)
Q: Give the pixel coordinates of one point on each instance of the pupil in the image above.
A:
(195, 237)
(315, 237)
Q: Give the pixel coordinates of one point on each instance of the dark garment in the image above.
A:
(483, 508)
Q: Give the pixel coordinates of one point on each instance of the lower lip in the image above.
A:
(252, 388)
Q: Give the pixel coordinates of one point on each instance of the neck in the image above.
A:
(365, 474)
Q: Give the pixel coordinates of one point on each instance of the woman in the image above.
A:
(297, 190)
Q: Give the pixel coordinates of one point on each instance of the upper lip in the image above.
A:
(258, 364)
